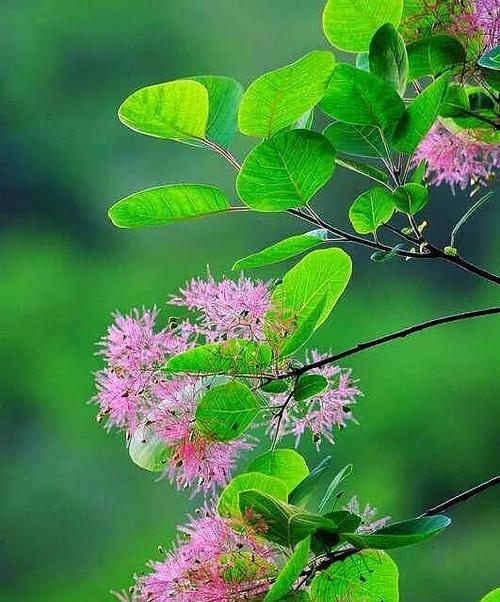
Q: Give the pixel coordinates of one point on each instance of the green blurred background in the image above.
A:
(77, 518)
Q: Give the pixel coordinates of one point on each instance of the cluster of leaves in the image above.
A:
(376, 118)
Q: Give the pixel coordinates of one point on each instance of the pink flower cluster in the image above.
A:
(325, 411)
(456, 159)
(216, 560)
(479, 17)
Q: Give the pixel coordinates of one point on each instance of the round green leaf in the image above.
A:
(286, 171)
(410, 198)
(290, 572)
(433, 55)
(368, 576)
(284, 464)
(224, 97)
(350, 24)
(279, 98)
(307, 295)
(388, 58)
(354, 96)
(420, 115)
(167, 205)
(371, 209)
(226, 411)
(228, 504)
(147, 450)
(290, 247)
(308, 386)
(177, 110)
(360, 140)
(397, 535)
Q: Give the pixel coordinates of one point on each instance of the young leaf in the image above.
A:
(368, 576)
(350, 24)
(420, 115)
(405, 533)
(224, 97)
(388, 58)
(290, 247)
(234, 356)
(228, 504)
(226, 411)
(410, 198)
(147, 450)
(433, 55)
(286, 171)
(285, 524)
(290, 572)
(177, 110)
(360, 140)
(356, 97)
(308, 386)
(371, 209)
(308, 293)
(284, 464)
(167, 205)
(279, 98)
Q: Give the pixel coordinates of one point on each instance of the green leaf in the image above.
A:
(370, 171)
(275, 386)
(367, 576)
(234, 356)
(279, 98)
(417, 177)
(167, 205)
(383, 256)
(286, 171)
(226, 411)
(316, 490)
(177, 110)
(420, 115)
(290, 572)
(388, 59)
(228, 504)
(356, 97)
(290, 247)
(456, 100)
(433, 55)
(493, 596)
(491, 59)
(308, 293)
(308, 386)
(147, 450)
(284, 464)
(346, 522)
(410, 198)
(350, 24)
(363, 61)
(405, 533)
(224, 97)
(483, 199)
(371, 209)
(360, 140)
(286, 524)
(300, 596)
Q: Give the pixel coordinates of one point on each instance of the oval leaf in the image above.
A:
(367, 576)
(290, 247)
(228, 504)
(147, 450)
(279, 98)
(308, 386)
(226, 411)
(360, 140)
(433, 55)
(388, 58)
(356, 97)
(290, 572)
(176, 110)
(371, 209)
(235, 356)
(350, 24)
(410, 198)
(286, 171)
(397, 535)
(284, 464)
(167, 205)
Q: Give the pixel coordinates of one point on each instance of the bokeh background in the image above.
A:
(77, 518)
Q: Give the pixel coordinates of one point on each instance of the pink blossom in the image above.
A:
(227, 308)
(216, 560)
(322, 413)
(456, 159)
(478, 17)
(368, 522)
